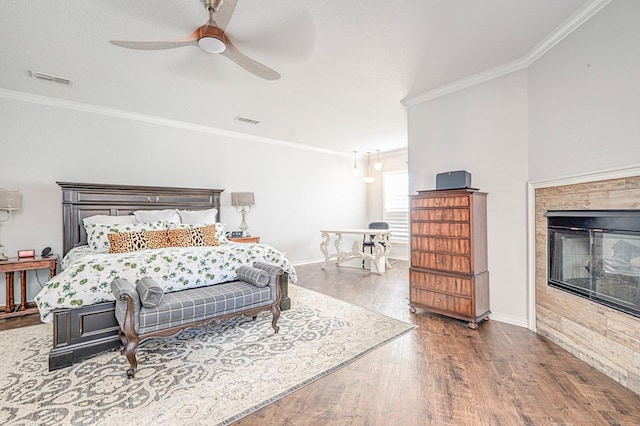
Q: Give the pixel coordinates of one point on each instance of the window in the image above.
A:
(395, 186)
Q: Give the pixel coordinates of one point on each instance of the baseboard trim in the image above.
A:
(307, 262)
(508, 319)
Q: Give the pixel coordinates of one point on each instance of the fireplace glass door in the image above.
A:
(598, 264)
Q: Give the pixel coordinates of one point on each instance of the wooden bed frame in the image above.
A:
(83, 332)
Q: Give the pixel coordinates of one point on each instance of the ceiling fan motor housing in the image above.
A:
(211, 44)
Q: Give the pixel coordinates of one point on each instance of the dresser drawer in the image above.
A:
(441, 283)
(461, 306)
(442, 262)
(442, 245)
(449, 215)
(440, 202)
(439, 229)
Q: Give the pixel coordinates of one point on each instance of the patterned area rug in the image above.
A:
(204, 376)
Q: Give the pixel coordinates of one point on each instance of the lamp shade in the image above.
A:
(9, 199)
(241, 199)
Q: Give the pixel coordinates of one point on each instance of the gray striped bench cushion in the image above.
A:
(196, 304)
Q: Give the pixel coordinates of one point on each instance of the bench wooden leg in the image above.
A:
(123, 340)
(275, 311)
(129, 338)
(130, 350)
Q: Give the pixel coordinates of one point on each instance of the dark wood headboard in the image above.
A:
(80, 200)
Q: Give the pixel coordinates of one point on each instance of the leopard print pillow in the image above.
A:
(124, 242)
(193, 237)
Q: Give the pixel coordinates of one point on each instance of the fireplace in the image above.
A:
(596, 254)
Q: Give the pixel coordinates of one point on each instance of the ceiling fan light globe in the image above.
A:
(212, 45)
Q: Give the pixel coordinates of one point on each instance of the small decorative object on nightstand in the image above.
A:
(245, 239)
(23, 265)
(24, 254)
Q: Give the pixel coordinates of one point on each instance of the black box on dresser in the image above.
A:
(458, 179)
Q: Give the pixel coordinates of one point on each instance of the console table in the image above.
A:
(381, 247)
(9, 267)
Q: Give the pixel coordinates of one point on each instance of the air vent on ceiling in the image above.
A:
(49, 77)
(246, 120)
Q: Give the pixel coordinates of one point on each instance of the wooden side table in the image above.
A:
(245, 239)
(23, 265)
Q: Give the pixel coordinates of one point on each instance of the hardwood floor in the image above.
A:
(17, 322)
(442, 373)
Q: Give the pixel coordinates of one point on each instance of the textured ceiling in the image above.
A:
(345, 65)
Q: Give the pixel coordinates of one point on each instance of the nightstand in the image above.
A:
(23, 265)
(245, 239)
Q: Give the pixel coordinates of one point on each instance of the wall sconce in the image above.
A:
(369, 178)
(378, 164)
(243, 201)
(9, 201)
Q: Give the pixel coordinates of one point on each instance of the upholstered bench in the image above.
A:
(144, 311)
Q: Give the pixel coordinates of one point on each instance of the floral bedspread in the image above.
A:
(87, 275)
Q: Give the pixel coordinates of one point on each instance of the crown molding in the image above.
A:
(578, 18)
(581, 16)
(596, 176)
(466, 82)
(145, 118)
(393, 152)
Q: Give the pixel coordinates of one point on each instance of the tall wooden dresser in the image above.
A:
(448, 273)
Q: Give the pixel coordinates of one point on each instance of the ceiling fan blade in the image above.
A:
(190, 40)
(152, 45)
(247, 63)
(223, 14)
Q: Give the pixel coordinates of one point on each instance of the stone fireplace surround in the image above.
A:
(604, 338)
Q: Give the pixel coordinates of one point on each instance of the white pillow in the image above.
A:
(193, 217)
(148, 216)
(110, 220)
(97, 233)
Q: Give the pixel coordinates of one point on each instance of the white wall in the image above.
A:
(483, 129)
(575, 111)
(298, 192)
(584, 98)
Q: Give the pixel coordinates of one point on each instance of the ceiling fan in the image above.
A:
(210, 37)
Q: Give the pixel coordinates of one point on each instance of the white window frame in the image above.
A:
(394, 211)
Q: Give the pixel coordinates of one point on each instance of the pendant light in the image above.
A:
(355, 169)
(378, 164)
(368, 178)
